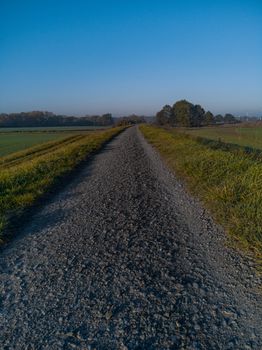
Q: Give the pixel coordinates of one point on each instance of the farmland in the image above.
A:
(250, 136)
(17, 139)
(51, 129)
(13, 142)
(228, 183)
(27, 174)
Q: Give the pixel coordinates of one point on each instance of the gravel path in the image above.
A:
(123, 258)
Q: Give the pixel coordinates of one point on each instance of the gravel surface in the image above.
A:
(123, 258)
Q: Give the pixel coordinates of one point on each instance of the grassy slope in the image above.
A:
(22, 182)
(243, 136)
(229, 184)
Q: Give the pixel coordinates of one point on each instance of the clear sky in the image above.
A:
(83, 57)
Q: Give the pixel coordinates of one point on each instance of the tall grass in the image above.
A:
(26, 176)
(228, 183)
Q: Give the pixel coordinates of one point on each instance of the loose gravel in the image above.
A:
(123, 258)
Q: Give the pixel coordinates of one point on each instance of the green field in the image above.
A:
(17, 139)
(29, 173)
(11, 142)
(228, 182)
(52, 128)
(243, 136)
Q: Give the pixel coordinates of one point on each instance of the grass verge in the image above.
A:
(28, 175)
(228, 183)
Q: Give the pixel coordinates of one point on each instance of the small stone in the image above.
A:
(197, 327)
(195, 285)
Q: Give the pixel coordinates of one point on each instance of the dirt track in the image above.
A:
(123, 258)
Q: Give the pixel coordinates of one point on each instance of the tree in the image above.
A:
(130, 120)
(186, 114)
(219, 118)
(229, 118)
(163, 117)
(208, 118)
(38, 118)
(183, 113)
(199, 114)
(106, 119)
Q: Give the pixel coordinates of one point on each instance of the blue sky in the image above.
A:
(85, 57)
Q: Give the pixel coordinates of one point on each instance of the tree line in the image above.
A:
(130, 120)
(186, 114)
(43, 119)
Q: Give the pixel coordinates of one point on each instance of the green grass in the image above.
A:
(37, 151)
(26, 175)
(228, 183)
(12, 142)
(51, 128)
(237, 134)
(17, 139)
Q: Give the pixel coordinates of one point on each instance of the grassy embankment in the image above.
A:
(229, 182)
(28, 174)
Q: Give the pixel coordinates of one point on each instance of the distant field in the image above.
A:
(243, 136)
(17, 139)
(52, 128)
(13, 142)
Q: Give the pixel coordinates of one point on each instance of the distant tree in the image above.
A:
(219, 118)
(183, 113)
(106, 119)
(39, 118)
(229, 118)
(163, 117)
(199, 114)
(208, 118)
(186, 114)
(130, 120)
